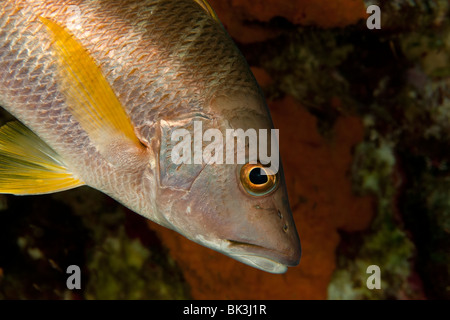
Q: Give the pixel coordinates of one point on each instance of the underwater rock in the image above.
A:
(404, 159)
(246, 20)
(407, 15)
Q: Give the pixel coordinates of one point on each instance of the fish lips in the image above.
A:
(269, 260)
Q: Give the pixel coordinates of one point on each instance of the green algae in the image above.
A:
(408, 129)
(124, 264)
(386, 243)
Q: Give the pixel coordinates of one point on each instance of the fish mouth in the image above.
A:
(262, 258)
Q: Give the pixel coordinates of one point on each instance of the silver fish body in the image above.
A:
(169, 63)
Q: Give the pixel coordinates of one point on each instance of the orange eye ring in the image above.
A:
(258, 180)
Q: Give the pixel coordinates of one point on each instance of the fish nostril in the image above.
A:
(285, 228)
(280, 215)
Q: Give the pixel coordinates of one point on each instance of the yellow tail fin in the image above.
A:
(28, 165)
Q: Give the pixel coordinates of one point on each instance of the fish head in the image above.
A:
(239, 208)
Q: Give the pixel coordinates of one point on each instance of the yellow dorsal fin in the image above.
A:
(88, 95)
(207, 7)
(28, 165)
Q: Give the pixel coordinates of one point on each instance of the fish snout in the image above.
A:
(266, 259)
(277, 248)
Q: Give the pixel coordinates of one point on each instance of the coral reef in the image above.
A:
(245, 20)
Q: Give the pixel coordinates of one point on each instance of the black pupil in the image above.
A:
(256, 177)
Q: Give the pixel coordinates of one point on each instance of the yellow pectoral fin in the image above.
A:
(88, 95)
(28, 165)
(207, 7)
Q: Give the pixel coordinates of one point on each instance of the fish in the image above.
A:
(98, 89)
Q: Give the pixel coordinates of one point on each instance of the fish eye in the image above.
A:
(258, 180)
